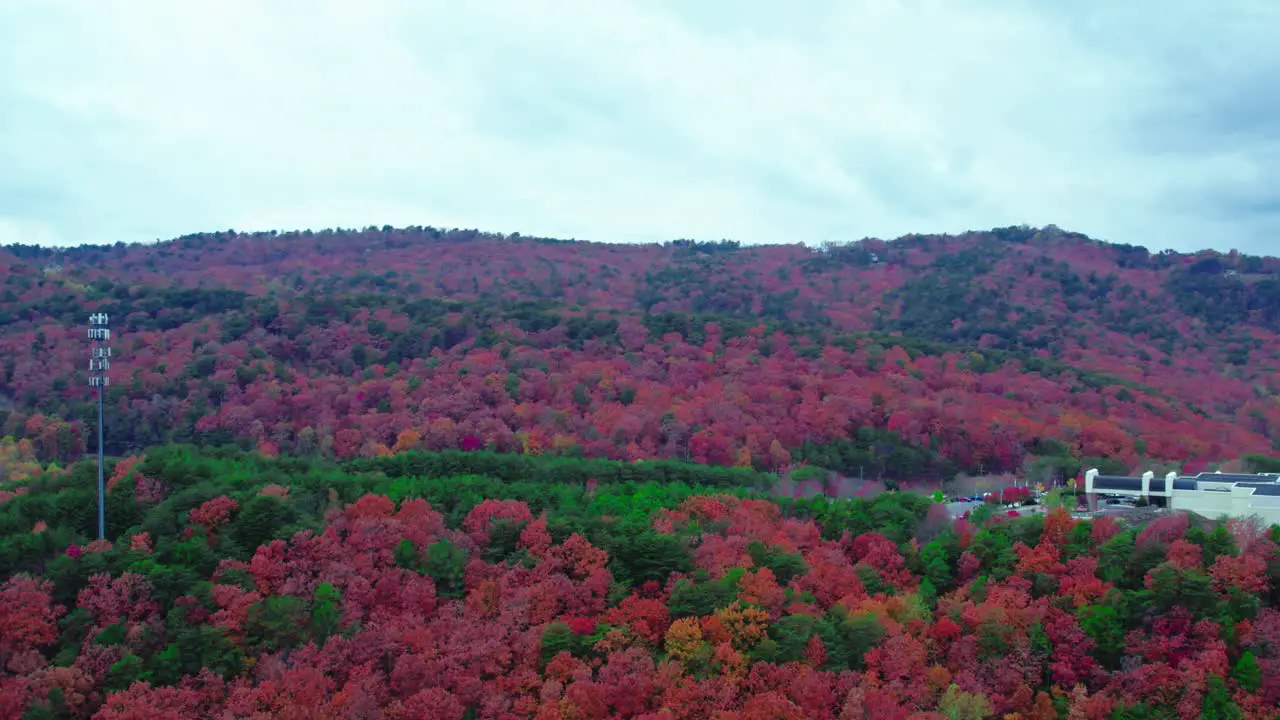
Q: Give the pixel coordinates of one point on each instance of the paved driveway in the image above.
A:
(959, 508)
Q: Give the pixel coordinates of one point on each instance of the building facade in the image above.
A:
(1208, 494)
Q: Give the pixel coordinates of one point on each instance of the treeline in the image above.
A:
(878, 454)
(275, 498)
(187, 476)
(528, 468)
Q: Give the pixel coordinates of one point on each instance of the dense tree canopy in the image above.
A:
(234, 585)
(908, 360)
(416, 473)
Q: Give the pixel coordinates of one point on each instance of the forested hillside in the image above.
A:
(914, 359)
(424, 475)
(447, 586)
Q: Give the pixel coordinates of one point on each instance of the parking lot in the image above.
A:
(958, 509)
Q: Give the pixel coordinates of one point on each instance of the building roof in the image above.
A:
(1220, 479)
(1118, 482)
(1267, 488)
(1262, 483)
(1237, 477)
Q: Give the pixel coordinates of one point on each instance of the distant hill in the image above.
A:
(1015, 349)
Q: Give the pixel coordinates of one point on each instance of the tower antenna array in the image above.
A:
(99, 363)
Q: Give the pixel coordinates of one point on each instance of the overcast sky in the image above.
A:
(1152, 123)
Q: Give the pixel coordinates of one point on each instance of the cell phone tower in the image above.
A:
(99, 363)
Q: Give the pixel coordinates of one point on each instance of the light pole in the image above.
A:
(99, 363)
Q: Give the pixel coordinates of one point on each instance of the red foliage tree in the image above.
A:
(213, 513)
(28, 617)
(482, 516)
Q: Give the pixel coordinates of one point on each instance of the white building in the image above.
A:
(1209, 494)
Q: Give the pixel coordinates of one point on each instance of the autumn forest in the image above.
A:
(418, 473)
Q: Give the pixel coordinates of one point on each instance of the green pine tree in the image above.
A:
(1247, 673)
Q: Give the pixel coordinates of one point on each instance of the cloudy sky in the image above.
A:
(643, 120)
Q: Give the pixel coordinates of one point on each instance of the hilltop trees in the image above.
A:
(864, 359)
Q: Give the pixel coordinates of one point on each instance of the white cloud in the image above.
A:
(641, 119)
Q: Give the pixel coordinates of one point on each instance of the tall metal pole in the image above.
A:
(99, 362)
(102, 488)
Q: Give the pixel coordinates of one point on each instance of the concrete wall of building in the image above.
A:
(1268, 515)
(1207, 503)
(1240, 502)
(1267, 501)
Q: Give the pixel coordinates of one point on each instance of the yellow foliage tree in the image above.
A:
(957, 704)
(532, 442)
(746, 625)
(17, 460)
(779, 456)
(937, 678)
(683, 640)
(409, 439)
